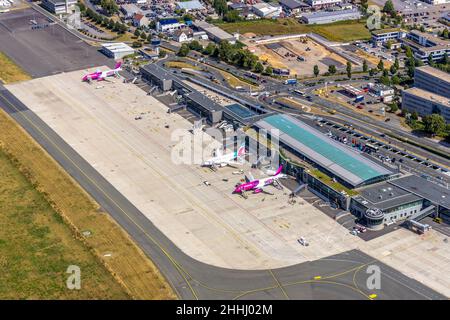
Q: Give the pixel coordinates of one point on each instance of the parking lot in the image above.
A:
(43, 48)
(389, 155)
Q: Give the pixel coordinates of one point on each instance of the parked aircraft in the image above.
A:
(102, 75)
(258, 185)
(226, 159)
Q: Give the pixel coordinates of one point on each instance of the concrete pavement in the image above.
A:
(341, 275)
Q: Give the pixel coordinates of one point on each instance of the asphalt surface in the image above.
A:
(343, 276)
(49, 50)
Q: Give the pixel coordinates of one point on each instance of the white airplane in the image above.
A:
(222, 160)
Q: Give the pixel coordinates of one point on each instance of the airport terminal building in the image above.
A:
(331, 169)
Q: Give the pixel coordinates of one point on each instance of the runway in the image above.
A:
(341, 276)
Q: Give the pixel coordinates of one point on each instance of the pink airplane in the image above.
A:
(257, 185)
(102, 75)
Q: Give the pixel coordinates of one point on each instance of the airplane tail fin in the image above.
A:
(118, 64)
(278, 171)
(241, 150)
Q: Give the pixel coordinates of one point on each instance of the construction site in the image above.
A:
(298, 54)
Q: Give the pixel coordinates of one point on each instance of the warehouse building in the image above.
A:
(188, 6)
(116, 50)
(293, 7)
(319, 4)
(323, 17)
(266, 10)
(214, 33)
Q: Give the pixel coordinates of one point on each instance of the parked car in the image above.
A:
(303, 241)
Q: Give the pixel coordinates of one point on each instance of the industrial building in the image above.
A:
(116, 50)
(214, 33)
(293, 7)
(193, 5)
(59, 6)
(319, 4)
(384, 35)
(432, 80)
(425, 103)
(323, 17)
(168, 25)
(266, 10)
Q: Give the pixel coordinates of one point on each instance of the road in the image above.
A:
(342, 276)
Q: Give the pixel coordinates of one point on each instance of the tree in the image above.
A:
(349, 69)
(220, 6)
(149, 38)
(111, 24)
(395, 79)
(385, 80)
(445, 60)
(137, 33)
(316, 70)
(209, 49)
(396, 64)
(365, 66)
(414, 116)
(445, 34)
(184, 50)
(81, 6)
(430, 59)
(162, 53)
(389, 44)
(232, 16)
(196, 46)
(143, 36)
(408, 52)
(332, 69)
(364, 6)
(268, 71)
(393, 107)
(389, 7)
(434, 123)
(110, 6)
(259, 67)
(393, 69)
(137, 44)
(380, 65)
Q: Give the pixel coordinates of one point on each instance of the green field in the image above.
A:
(44, 215)
(10, 71)
(339, 31)
(36, 247)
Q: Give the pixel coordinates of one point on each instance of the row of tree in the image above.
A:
(227, 52)
(104, 21)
